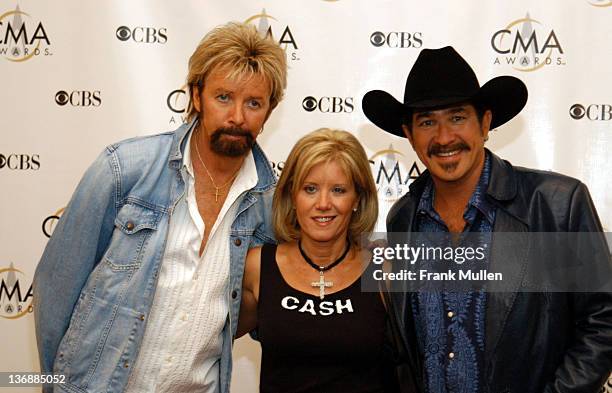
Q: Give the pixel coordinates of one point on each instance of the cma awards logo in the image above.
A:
(177, 103)
(593, 112)
(78, 98)
(397, 39)
(268, 26)
(22, 37)
(392, 177)
(49, 223)
(142, 35)
(328, 104)
(15, 293)
(526, 45)
(600, 3)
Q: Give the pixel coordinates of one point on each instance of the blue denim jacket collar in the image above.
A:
(265, 173)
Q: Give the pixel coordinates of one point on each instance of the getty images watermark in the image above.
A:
(492, 262)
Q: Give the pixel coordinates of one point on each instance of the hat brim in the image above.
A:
(384, 111)
(505, 96)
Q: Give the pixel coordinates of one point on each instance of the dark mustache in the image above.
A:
(233, 131)
(437, 148)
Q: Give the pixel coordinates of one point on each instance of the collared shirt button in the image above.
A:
(142, 317)
(237, 242)
(129, 225)
(183, 317)
(451, 355)
(450, 314)
(234, 294)
(126, 365)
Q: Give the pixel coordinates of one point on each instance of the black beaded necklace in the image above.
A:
(322, 284)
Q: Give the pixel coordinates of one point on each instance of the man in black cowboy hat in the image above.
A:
(509, 340)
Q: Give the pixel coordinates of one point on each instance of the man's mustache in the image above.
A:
(233, 131)
(438, 148)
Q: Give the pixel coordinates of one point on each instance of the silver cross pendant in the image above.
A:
(322, 284)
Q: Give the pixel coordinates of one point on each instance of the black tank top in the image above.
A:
(314, 345)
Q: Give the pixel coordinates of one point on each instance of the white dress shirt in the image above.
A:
(182, 343)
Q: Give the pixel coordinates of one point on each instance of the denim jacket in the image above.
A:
(96, 280)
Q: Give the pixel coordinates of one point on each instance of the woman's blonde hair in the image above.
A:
(320, 146)
(239, 48)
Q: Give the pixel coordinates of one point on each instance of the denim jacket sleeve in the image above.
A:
(76, 246)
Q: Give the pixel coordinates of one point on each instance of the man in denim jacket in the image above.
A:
(139, 288)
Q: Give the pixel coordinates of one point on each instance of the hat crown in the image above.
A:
(439, 74)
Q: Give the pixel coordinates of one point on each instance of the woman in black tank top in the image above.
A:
(318, 331)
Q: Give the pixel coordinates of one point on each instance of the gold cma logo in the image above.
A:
(526, 45)
(49, 223)
(268, 26)
(391, 175)
(21, 40)
(600, 3)
(14, 301)
(177, 102)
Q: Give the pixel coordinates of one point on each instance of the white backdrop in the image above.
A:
(77, 76)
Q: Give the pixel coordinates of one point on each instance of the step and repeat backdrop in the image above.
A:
(77, 76)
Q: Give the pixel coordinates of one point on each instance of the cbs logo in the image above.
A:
(20, 162)
(81, 98)
(143, 35)
(601, 112)
(397, 39)
(328, 104)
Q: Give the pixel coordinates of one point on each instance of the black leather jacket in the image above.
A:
(535, 342)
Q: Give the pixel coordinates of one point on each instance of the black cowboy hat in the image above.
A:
(439, 78)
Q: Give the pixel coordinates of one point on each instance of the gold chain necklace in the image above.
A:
(217, 188)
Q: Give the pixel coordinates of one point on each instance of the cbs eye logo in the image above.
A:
(577, 111)
(309, 104)
(78, 98)
(20, 162)
(143, 35)
(328, 104)
(123, 33)
(61, 98)
(377, 38)
(593, 112)
(397, 39)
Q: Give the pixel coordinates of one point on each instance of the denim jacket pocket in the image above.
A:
(133, 227)
(101, 310)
